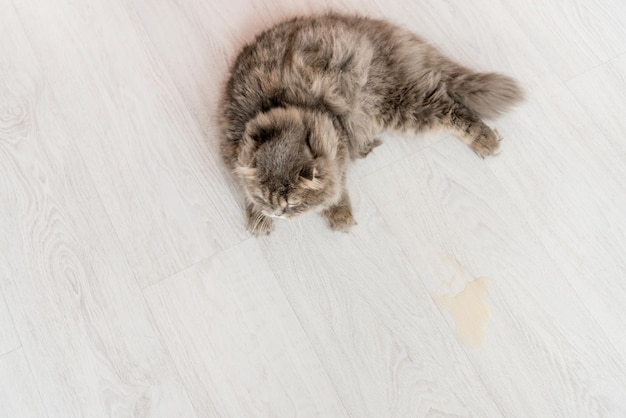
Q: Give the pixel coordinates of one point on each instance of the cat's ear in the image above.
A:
(309, 172)
(257, 132)
(260, 129)
(309, 178)
(260, 134)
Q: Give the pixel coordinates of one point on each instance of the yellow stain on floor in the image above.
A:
(470, 311)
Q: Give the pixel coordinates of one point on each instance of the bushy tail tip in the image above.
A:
(488, 94)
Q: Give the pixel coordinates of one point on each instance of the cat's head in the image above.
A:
(290, 162)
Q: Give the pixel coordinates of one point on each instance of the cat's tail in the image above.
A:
(487, 94)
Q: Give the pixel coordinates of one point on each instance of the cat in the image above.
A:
(311, 94)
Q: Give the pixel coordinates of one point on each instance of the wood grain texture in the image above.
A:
(148, 161)
(455, 213)
(601, 93)
(8, 337)
(573, 35)
(370, 318)
(562, 172)
(77, 308)
(128, 286)
(18, 391)
(238, 345)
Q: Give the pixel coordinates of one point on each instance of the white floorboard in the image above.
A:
(469, 287)
(368, 314)
(601, 93)
(575, 35)
(571, 188)
(458, 211)
(18, 391)
(8, 337)
(237, 344)
(128, 122)
(77, 308)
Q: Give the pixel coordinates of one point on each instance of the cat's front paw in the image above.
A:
(340, 218)
(487, 143)
(259, 224)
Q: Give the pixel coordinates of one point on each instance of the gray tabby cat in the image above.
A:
(310, 94)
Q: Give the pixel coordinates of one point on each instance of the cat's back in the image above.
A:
(290, 54)
(312, 62)
(277, 44)
(320, 43)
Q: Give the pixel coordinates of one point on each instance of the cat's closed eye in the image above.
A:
(293, 202)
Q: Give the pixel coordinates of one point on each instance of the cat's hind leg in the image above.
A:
(368, 146)
(418, 111)
(465, 123)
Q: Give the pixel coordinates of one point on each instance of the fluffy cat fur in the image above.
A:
(310, 94)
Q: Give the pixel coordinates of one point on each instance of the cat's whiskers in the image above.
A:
(258, 220)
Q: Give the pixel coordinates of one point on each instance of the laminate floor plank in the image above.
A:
(18, 390)
(600, 92)
(469, 287)
(569, 183)
(237, 344)
(147, 157)
(573, 36)
(9, 340)
(77, 308)
(367, 313)
(457, 225)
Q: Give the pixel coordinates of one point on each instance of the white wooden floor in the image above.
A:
(470, 287)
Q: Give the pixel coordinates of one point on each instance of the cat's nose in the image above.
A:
(280, 210)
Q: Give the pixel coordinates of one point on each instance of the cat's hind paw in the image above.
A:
(487, 144)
